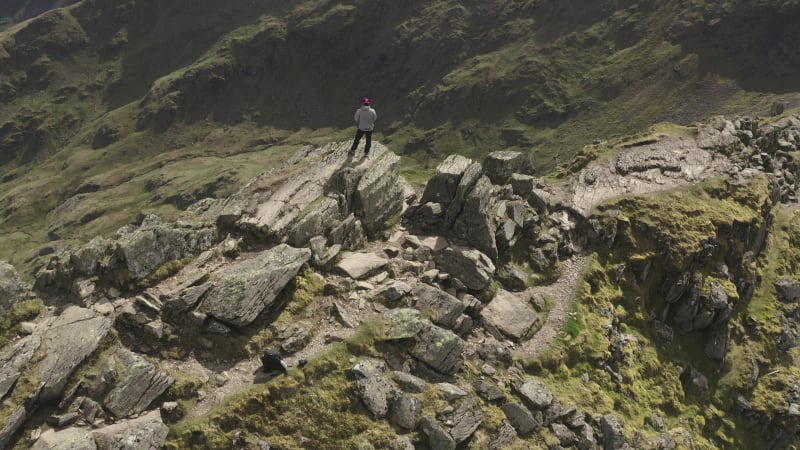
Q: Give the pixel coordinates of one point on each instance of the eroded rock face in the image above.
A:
(243, 290)
(140, 384)
(12, 289)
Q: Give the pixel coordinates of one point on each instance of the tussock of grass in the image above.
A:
(19, 312)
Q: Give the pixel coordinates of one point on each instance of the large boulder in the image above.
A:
(243, 290)
(12, 289)
(788, 290)
(535, 393)
(443, 185)
(466, 184)
(439, 348)
(442, 308)
(373, 387)
(68, 439)
(361, 265)
(147, 432)
(510, 315)
(471, 266)
(467, 418)
(140, 384)
(500, 165)
(379, 195)
(474, 223)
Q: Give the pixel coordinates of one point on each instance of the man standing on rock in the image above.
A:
(365, 119)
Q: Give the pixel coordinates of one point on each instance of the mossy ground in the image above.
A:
(20, 312)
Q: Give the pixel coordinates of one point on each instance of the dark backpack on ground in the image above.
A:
(272, 361)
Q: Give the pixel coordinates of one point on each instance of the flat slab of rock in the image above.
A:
(467, 418)
(535, 393)
(69, 439)
(510, 314)
(242, 291)
(361, 265)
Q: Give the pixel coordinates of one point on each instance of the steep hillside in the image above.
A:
(158, 104)
(13, 11)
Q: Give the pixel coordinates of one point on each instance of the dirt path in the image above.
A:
(561, 292)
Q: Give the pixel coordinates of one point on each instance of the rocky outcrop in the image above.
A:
(243, 290)
(500, 166)
(318, 200)
(147, 432)
(373, 387)
(470, 266)
(135, 253)
(442, 308)
(12, 289)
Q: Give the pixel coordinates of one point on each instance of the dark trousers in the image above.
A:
(367, 145)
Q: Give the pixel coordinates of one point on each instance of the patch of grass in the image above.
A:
(165, 271)
(19, 312)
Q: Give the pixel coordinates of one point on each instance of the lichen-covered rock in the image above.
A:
(404, 323)
(613, 434)
(147, 432)
(510, 315)
(373, 387)
(12, 289)
(442, 308)
(439, 348)
(243, 290)
(472, 267)
(406, 410)
(140, 384)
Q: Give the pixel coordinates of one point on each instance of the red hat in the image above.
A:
(365, 101)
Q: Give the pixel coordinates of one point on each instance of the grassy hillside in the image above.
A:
(111, 107)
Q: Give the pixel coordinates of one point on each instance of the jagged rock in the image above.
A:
(488, 391)
(466, 184)
(470, 266)
(613, 435)
(392, 292)
(442, 186)
(513, 278)
(442, 308)
(539, 199)
(522, 419)
(585, 436)
(343, 315)
(147, 432)
(439, 348)
(187, 298)
(374, 389)
(315, 222)
(69, 439)
(438, 437)
(14, 359)
(467, 418)
(474, 223)
(510, 315)
(522, 184)
(450, 391)
(500, 165)
(243, 290)
(140, 252)
(361, 265)
(535, 393)
(408, 382)
(12, 289)
(505, 435)
(379, 195)
(405, 411)
(140, 384)
(788, 290)
(564, 435)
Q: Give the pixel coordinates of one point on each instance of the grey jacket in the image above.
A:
(365, 118)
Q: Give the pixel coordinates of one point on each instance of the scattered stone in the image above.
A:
(439, 348)
(564, 435)
(406, 410)
(505, 435)
(362, 265)
(466, 419)
(374, 389)
(294, 338)
(344, 316)
(408, 382)
(488, 391)
(613, 435)
(438, 437)
(451, 392)
(392, 292)
(139, 385)
(523, 420)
